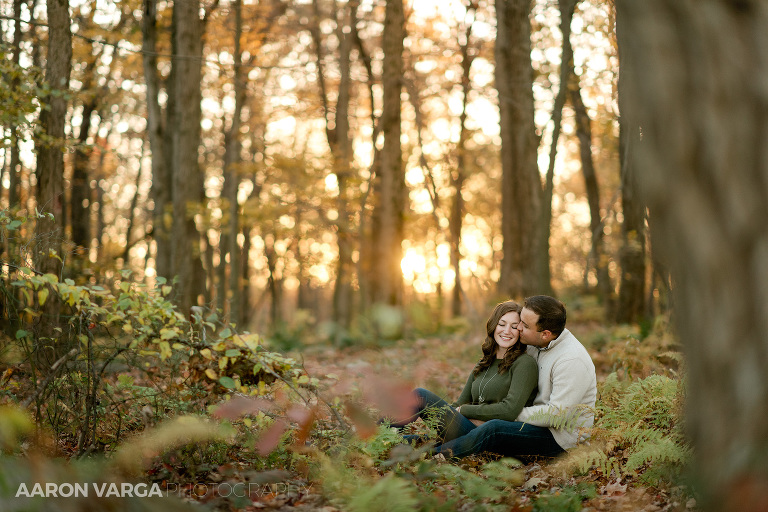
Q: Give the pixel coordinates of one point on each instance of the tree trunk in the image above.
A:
(631, 301)
(340, 143)
(229, 291)
(695, 76)
(14, 171)
(162, 183)
(566, 69)
(186, 171)
(50, 171)
(81, 185)
(387, 281)
(521, 184)
(597, 253)
(458, 177)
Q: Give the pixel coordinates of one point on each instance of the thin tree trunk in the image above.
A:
(597, 253)
(229, 290)
(459, 176)
(566, 66)
(162, 184)
(694, 82)
(14, 171)
(521, 184)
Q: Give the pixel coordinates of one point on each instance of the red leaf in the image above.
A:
(395, 399)
(239, 406)
(364, 424)
(305, 419)
(271, 438)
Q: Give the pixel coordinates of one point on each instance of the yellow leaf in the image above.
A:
(223, 363)
(206, 353)
(247, 422)
(211, 374)
(218, 347)
(179, 346)
(166, 290)
(42, 296)
(127, 328)
(237, 340)
(165, 350)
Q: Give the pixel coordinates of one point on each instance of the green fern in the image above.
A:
(638, 429)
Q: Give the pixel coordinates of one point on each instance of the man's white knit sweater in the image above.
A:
(567, 386)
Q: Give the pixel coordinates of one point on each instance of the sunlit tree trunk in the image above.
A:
(50, 170)
(387, 280)
(521, 184)
(161, 169)
(695, 83)
(631, 301)
(187, 183)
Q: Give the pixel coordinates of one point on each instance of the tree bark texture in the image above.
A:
(162, 183)
(566, 70)
(521, 184)
(50, 171)
(630, 306)
(387, 280)
(229, 289)
(14, 172)
(187, 182)
(695, 82)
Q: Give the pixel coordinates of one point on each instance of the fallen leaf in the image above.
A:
(240, 406)
(614, 488)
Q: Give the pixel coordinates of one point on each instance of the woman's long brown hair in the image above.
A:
(490, 346)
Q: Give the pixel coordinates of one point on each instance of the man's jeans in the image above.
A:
(507, 438)
(460, 437)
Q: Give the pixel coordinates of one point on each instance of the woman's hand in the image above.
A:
(476, 422)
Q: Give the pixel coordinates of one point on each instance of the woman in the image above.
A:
(500, 385)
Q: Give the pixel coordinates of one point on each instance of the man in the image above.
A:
(563, 408)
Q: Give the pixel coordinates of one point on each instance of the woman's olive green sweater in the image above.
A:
(505, 393)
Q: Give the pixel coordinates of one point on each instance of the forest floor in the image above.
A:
(442, 365)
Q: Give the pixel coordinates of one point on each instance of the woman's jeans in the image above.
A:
(459, 437)
(450, 424)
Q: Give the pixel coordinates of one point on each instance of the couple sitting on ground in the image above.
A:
(532, 393)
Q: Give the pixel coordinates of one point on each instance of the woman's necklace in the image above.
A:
(481, 398)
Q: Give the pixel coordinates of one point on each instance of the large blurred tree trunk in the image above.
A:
(521, 184)
(187, 182)
(695, 82)
(630, 306)
(50, 170)
(387, 278)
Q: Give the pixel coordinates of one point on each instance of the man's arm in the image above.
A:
(571, 381)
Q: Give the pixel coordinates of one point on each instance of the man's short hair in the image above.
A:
(551, 313)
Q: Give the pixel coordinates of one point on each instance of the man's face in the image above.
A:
(529, 333)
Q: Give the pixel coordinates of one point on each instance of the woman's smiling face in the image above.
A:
(506, 333)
